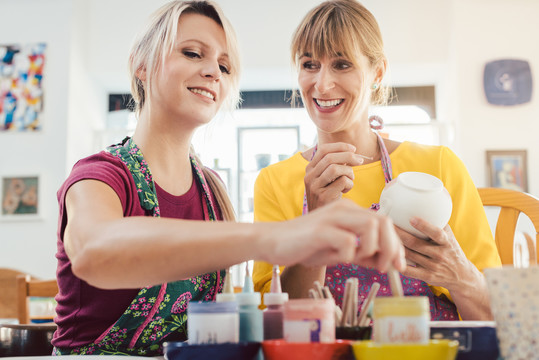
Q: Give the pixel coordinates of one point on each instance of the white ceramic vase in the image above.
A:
(416, 194)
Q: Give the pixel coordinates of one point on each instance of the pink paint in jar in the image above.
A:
(309, 320)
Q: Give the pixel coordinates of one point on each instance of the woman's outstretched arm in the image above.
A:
(111, 251)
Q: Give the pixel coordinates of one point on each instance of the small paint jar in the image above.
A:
(309, 320)
(212, 322)
(401, 319)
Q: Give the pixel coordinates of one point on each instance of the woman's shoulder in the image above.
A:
(99, 162)
(410, 148)
(101, 166)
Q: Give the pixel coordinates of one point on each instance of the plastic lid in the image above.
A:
(276, 280)
(248, 298)
(227, 286)
(275, 298)
(196, 307)
(224, 297)
(401, 306)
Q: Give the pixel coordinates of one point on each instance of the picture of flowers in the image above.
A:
(20, 196)
(21, 93)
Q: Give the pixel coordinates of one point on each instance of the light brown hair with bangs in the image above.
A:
(341, 28)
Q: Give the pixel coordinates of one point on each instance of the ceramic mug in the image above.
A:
(416, 194)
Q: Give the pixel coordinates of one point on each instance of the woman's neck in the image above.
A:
(167, 153)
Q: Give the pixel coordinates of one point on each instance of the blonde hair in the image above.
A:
(219, 191)
(341, 28)
(149, 51)
(156, 41)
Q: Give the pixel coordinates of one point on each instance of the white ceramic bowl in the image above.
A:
(416, 194)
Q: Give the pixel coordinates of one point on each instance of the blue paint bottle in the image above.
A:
(251, 318)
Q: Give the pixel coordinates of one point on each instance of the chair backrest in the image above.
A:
(27, 287)
(512, 203)
(8, 293)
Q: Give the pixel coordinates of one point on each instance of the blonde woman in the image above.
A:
(140, 231)
(339, 54)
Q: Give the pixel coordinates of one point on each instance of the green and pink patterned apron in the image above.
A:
(157, 313)
(441, 308)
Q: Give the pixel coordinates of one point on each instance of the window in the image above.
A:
(408, 122)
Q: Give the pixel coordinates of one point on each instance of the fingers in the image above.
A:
(434, 233)
(417, 258)
(368, 244)
(391, 248)
(330, 174)
(379, 245)
(332, 232)
(425, 247)
(340, 250)
(416, 272)
(332, 161)
(338, 147)
(399, 262)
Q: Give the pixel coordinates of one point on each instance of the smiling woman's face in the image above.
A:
(335, 91)
(194, 79)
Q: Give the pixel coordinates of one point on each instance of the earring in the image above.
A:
(376, 122)
(374, 86)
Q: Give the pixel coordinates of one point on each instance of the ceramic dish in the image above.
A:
(226, 351)
(282, 350)
(434, 350)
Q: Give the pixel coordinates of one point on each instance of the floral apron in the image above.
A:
(441, 308)
(159, 312)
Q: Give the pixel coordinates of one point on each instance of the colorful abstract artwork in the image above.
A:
(21, 93)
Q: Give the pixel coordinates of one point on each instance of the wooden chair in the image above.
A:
(8, 293)
(26, 287)
(512, 203)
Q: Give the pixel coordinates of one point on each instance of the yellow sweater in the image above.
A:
(279, 191)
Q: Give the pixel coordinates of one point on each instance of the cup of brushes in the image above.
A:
(350, 325)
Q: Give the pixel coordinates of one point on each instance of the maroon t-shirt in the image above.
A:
(84, 312)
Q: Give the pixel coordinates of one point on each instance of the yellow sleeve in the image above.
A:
(468, 220)
(266, 208)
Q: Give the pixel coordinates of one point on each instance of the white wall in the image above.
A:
(441, 42)
(31, 245)
(487, 30)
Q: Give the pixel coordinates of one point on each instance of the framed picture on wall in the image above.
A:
(21, 91)
(20, 197)
(507, 169)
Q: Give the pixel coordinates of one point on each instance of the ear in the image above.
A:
(141, 74)
(380, 70)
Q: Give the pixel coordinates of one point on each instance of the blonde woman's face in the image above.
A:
(194, 79)
(335, 91)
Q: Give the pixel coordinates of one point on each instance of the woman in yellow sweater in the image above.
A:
(338, 51)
